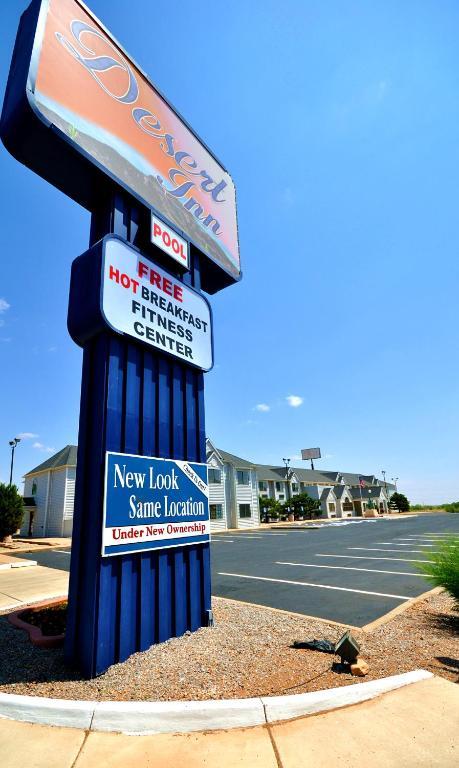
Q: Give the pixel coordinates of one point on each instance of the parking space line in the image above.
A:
(394, 544)
(375, 549)
(316, 586)
(225, 541)
(63, 551)
(350, 568)
(368, 557)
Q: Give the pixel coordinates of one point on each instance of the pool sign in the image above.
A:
(169, 241)
(153, 503)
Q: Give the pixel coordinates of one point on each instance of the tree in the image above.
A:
(11, 510)
(400, 502)
(303, 505)
(271, 506)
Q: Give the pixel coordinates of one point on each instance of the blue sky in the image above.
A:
(338, 122)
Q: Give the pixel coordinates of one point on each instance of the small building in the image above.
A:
(50, 493)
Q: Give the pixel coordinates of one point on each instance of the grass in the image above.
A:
(453, 507)
(443, 567)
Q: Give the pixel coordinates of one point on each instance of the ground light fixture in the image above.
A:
(347, 648)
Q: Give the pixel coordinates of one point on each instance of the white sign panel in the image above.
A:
(145, 302)
(169, 241)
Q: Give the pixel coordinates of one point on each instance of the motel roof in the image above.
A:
(64, 458)
(236, 461)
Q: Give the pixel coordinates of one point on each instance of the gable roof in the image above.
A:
(236, 461)
(265, 472)
(373, 492)
(65, 457)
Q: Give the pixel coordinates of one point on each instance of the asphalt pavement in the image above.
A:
(352, 572)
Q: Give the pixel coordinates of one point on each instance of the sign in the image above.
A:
(153, 504)
(169, 241)
(77, 109)
(145, 302)
(310, 453)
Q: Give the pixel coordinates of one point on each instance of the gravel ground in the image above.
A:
(248, 653)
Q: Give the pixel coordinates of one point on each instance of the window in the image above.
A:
(294, 487)
(262, 486)
(243, 477)
(331, 507)
(215, 476)
(278, 486)
(216, 512)
(348, 506)
(281, 497)
(245, 510)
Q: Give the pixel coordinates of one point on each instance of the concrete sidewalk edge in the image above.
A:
(145, 717)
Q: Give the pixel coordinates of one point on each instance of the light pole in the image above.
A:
(287, 476)
(383, 472)
(394, 480)
(13, 444)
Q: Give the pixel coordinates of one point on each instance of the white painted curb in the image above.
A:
(35, 709)
(286, 707)
(148, 717)
(177, 716)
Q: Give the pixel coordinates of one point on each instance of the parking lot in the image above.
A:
(349, 572)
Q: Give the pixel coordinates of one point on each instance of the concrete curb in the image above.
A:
(146, 717)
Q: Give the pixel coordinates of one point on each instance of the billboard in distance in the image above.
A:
(310, 453)
(80, 83)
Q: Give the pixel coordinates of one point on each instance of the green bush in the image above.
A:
(443, 566)
(454, 507)
(11, 510)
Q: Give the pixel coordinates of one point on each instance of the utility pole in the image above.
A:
(394, 480)
(13, 444)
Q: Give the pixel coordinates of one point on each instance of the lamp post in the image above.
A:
(287, 476)
(383, 472)
(394, 480)
(13, 444)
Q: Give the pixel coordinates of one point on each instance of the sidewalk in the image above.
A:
(29, 585)
(33, 545)
(413, 727)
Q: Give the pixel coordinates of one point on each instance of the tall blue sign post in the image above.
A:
(79, 112)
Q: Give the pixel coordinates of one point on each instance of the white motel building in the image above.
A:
(235, 486)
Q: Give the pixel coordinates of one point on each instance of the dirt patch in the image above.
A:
(248, 653)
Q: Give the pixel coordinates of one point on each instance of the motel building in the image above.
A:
(235, 484)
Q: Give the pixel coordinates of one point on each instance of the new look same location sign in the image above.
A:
(153, 503)
(143, 301)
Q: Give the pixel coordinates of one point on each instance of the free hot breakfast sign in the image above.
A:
(153, 504)
(143, 301)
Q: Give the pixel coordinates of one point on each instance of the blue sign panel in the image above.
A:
(153, 503)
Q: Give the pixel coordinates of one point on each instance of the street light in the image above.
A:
(287, 476)
(13, 444)
(383, 472)
(394, 480)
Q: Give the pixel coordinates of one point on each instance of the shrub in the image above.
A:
(443, 567)
(11, 510)
(400, 502)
